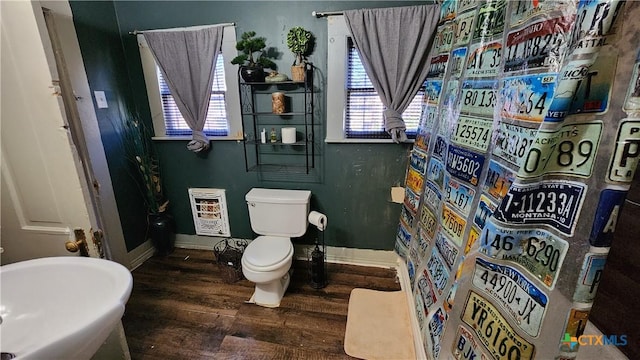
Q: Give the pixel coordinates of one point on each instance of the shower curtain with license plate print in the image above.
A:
(527, 145)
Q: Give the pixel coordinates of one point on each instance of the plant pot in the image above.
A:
(297, 72)
(161, 231)
(252, 74)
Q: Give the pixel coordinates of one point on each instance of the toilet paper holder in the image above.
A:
(318, 263)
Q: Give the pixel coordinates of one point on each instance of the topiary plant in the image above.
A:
(249, 45)
(299, 42)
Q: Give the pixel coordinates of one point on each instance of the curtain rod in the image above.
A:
(319, 14)
(136, 32)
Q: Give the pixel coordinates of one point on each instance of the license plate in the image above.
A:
(540, 252)
(606, 218)
(404, 236)
(595, 20)
(448, 10)
(438, 271)
(632, 101)
(512, 141)
(523, 10)
(570, 150)
(422, 140)
(528, 97)
(440, 148)
(551, 202)
(451, 93)
(474, 235)
(418, 161)
(432, 90)
(448, 250)
(458, 58)
(494, 331)
(472, 132)
(624, 160)
(593, 93)
(415, 181)
(485, 209)
(484, 59)
(453, 224)
(466, 347)
(407, 217)
(538, 45)
(513, 292)
(426, 291)
(423, 242)
(446, 122)
(464, 27)
(464, 5)
(498, 180)
(464, 164)
(428, 222)
(458, 194)
(478, 97)
(589, 278)
(438, 66)
(490, 19)
(443, 40)
(573, 75)
(576, 323)
(432, 196)
(430, 116)
(411, 200)
(436, 172)
(436, 330)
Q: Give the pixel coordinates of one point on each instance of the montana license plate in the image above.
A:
(555, 203)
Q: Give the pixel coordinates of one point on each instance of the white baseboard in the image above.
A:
(364, 257)
(140, 254)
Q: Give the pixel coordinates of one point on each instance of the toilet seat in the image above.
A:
(267, 253)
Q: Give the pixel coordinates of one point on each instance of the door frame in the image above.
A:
(80, 115)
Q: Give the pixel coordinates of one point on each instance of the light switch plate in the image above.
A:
(101, 99)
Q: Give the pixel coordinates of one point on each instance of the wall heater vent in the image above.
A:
(209, 209)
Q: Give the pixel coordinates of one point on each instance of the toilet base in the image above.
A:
(270, 294)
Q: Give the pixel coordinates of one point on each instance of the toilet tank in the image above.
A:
(277, 212)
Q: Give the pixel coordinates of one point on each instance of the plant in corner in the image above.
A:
(300, 42)
(142, 156)
(252, 66)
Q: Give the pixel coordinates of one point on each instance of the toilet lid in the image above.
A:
(268, 250)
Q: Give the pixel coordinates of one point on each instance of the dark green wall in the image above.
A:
(99, 38)
(351, 182)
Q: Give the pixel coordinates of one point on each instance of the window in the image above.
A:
(363, 113)
(223, 118)
(216, 124)
(354, 109)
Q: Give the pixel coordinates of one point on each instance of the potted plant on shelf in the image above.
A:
(299, 42)
(252, 66)
(142, 156)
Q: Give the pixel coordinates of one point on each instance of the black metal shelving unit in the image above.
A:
(255, 101)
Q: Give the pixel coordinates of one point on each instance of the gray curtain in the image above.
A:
(186, 57)
(394, 44)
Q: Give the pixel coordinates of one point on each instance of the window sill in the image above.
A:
(364, 141)
(188, 138)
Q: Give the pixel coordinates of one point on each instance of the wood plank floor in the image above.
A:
(181, 308)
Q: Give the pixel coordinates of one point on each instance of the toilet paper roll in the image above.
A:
(288, 135)
(318, 219)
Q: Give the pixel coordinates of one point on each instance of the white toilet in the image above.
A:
(277, 215)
